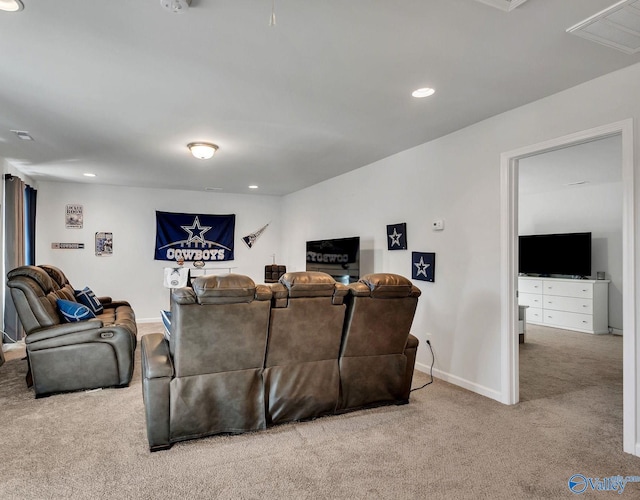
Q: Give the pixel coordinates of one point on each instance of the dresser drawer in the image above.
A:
(530, 299)
(534, 315)
(568, 289)
(568, 304)
(529, 286)
(573, 321)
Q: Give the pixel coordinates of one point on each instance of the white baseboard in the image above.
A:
(461, 382)
(616, 331)
(148, 320)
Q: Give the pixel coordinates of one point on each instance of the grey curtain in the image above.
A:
(14, 247)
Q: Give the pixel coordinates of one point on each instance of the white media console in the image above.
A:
(572, 304)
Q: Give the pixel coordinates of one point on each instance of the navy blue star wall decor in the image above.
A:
(423, 266)
(397, 236)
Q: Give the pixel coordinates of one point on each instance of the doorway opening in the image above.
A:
(509, 270)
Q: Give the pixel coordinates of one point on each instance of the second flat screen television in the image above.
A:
(566, 254)
(338, 257)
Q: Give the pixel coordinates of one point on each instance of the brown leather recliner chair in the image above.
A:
(301, 373)
(207, 379)
(378, 352)
(67, 357)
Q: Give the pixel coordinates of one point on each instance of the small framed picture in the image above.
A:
(104, 244)
(73, 217)
(423, 266)
(397, 236)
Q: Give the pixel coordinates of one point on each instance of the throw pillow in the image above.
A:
(72, 311)
(166, 321)
(88, 298)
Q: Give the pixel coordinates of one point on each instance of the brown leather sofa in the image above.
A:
(378, 353)
(241, 356)
(64, 357)
(207, 379)
(301, 374)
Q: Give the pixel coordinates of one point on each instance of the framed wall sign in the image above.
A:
(104, 244)
(67, 246)
(73, 217)
(423, 266)
(397, 236)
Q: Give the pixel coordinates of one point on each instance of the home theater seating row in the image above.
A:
(242, 357)
(63, 357)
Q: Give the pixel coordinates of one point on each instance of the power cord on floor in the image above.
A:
(12, 344)
(5, 334)
(433, 360)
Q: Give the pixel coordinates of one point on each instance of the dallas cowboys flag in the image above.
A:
(423, 266)
(397, 236)
(194, 237)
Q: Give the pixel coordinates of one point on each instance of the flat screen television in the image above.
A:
(338, 257)
(566, 254)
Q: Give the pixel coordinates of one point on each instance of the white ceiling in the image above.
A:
(583, 165)
(118, 88)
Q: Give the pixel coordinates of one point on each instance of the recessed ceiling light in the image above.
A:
(88, 174)
(11, 5)
(253, 186)
(423, 92)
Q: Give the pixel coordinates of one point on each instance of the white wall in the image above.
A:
(589, 208)
(456, 178)
(131, 273)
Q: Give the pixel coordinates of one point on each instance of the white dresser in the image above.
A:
(581, 305)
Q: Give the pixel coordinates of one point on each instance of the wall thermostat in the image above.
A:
(437, 225)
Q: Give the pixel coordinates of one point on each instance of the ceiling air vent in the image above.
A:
(505, 5)
(23, 135)
(617, 26)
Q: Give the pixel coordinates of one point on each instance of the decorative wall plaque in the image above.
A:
(73, 217)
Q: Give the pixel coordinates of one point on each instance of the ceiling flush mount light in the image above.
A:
(175, 6)
(423, 92)
(253, 186)
(11, 5)
(88, 174)
(202, 150)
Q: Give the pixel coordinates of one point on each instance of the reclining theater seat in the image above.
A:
(207, 379)
(63, 356)
(115, 312)
(378, 353)
(301, 373)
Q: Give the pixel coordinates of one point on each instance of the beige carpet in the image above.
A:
(447, 443)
